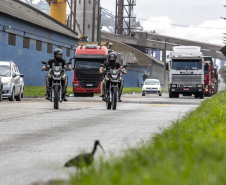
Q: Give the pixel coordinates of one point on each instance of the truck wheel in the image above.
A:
(1, 94)
(201, 95)
(176, 95)
(143, 94)
(196, 96)
(170, 95)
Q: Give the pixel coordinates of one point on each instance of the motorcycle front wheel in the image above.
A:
(114, 98)
(56, 97)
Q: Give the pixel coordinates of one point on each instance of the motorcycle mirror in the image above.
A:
(43, 62)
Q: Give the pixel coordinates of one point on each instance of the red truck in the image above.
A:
(87, 79)
(208, 76)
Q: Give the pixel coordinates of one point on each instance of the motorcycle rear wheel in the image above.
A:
(56, 98)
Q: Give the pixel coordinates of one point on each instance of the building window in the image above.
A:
(38, 45)
(12, 39)
(26, 43)
(88, 26)
(68, 52)
(79, 1)
(49, 48)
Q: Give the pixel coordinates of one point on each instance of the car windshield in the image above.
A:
(88, 64)
(5, 70)
(186, 64)
(151, 82)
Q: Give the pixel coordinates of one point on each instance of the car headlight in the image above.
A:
(174, 85)
(144, 88)
(6, 81)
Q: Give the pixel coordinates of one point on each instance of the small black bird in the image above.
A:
(82, 160)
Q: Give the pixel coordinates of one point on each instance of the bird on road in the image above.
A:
(85, 159)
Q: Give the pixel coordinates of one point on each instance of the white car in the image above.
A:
(151, 86)
(13, 83)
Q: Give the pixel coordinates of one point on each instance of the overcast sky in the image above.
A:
(190, 19)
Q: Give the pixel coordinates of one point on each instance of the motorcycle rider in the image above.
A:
(111, 64)
(56, 61)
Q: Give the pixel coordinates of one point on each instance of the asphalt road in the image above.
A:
(36, 140)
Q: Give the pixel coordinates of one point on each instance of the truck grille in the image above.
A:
(190, 80)
(89, 79)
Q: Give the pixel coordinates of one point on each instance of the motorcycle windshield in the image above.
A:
(57, 68)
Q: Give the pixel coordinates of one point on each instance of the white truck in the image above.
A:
(186, 72)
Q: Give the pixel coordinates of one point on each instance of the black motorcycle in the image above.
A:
(113, 78)
(57, 73)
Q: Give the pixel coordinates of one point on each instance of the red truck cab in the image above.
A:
(87, 79)
(208, 74)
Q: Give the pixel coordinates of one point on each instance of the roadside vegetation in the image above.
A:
(38, 91)
(191, 151)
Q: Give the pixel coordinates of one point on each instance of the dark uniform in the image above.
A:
(109, 66)
(53, 62)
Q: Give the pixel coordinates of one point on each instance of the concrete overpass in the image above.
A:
(163, 42)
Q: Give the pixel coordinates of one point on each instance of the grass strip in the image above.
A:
(191, 152)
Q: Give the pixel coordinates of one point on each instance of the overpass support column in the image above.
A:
(164, 68)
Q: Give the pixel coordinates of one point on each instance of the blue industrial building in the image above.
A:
(29, 36)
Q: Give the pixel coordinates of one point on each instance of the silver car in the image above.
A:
(151, 86)
(13, 84)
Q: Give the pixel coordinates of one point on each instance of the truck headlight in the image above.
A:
(199, 85)
(76, 85)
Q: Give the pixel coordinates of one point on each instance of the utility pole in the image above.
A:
(99, 24)
(164, 61)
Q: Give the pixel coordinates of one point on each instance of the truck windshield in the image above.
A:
(186, 64)
(88, 64)
(5, 70)
(206, 68)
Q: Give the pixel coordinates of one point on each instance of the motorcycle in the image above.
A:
(57, 73)
(113, 78)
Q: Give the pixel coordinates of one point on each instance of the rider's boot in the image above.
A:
(103, 98)
(64, 97)
(119, 98)
(47, 95)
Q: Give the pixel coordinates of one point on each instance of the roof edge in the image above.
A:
(45, 15)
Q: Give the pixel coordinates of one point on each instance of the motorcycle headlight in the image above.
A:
(6, 81)
(57, 73)
(114, 76)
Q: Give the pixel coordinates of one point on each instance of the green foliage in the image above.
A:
(192, 151)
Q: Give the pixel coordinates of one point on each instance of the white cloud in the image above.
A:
(210, 31)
